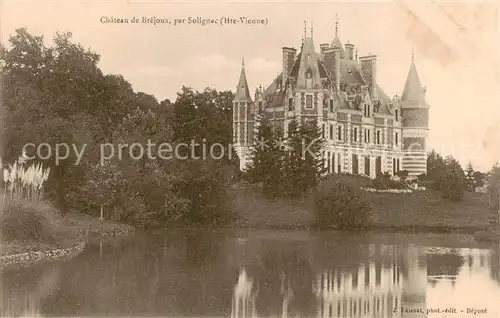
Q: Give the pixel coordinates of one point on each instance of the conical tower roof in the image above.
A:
(242, 91)
(413, 92)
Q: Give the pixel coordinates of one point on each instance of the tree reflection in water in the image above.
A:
(242, 273)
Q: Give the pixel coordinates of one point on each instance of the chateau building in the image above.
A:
(366, 132)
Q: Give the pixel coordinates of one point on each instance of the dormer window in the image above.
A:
(396, 114)
(309, 78)
(367, 110)
(331, 105)
(290, 104)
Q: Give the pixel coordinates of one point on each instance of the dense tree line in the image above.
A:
(448, 176)
(290, 164)
(58, 94)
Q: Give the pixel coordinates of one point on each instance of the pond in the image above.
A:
(263, 273)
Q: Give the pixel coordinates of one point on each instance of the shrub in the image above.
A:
(385, 182)
(204, 185)
(26, 220)
(339, 203)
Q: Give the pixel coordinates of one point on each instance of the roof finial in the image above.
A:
(312, 29)
(413, 53)
(242, 61)
(305, 29)
(336, 24)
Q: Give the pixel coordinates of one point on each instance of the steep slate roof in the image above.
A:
(384, 101)
(295, 68)
(309, 62)
(336, 43)
(350, 73)
(242, 91)
(413, 92)
(274, 97)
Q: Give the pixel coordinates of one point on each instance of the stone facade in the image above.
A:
(366, 131)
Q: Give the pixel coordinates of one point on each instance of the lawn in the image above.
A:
(418, 211)
(422, 209)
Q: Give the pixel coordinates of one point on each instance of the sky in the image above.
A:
(455, 47)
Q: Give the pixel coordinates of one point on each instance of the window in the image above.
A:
(355, 134)
(309, 101)
(378, 137)
(290, 104)
(367, 135)
(331, 105)
(331, 132)
(378, 165)
(339, 163)
(367, 166)
(396, 139)
(333, 161)
(328, 161)
(355, 168)
(340, 136)
(395, 165)
(396, 114)
(323, 131)
(367, 110)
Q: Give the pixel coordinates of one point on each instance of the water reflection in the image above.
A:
(235, 273)
(23, 292)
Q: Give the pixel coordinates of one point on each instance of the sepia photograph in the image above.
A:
(250, 159)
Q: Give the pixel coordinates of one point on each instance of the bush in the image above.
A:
(26, 220)
(359, 180)
(339, 203)
(385, 182)
(204, 184)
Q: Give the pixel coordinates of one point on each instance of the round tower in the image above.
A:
(415, 125)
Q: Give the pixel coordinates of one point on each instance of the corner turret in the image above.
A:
(415, 123)
(243, 119)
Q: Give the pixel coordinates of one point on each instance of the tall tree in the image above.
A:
(494, 196)
(469, 177)
(435, 169)
(267, 159)
(303, 162)
(453, 182)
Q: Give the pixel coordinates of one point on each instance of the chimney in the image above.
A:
(332, 63)
(369, 70)
(350, 51)
(323, 47)
(288, 59)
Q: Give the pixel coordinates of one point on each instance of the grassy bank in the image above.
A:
(417, 211)
(34, 230)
